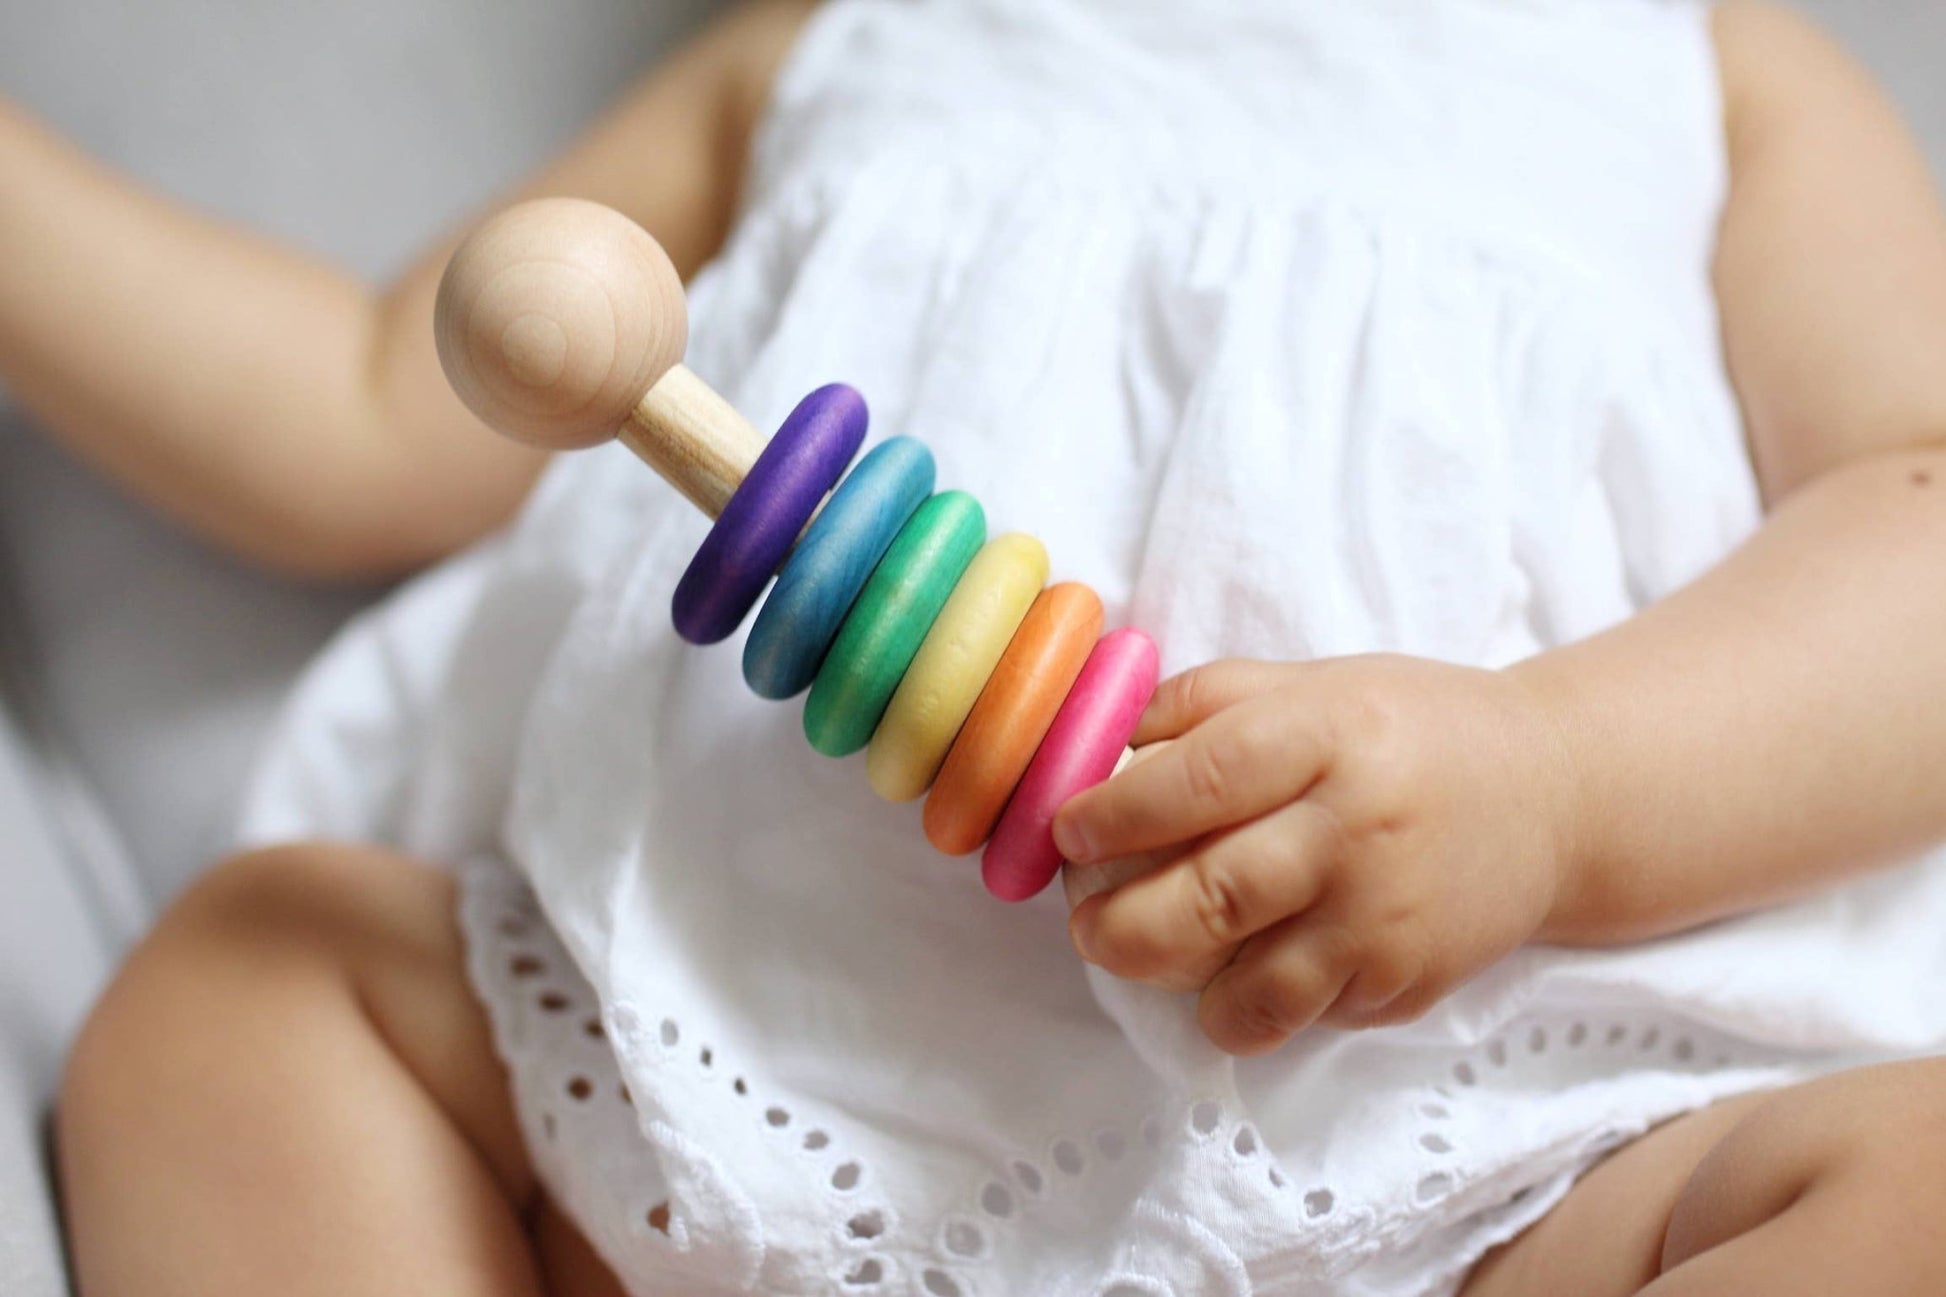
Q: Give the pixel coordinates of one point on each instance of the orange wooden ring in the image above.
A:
(1012, 716)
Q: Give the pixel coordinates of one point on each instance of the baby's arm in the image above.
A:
(1350, 839)
(280, 408)
(1781, 723)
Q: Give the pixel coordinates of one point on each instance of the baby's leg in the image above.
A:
(1834, 1186)
(291, 1089)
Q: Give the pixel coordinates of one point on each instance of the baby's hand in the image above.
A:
(1344, 840)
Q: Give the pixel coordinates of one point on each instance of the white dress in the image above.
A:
(1294, 327)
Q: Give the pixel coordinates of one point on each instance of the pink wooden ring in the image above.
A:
(1080, 750)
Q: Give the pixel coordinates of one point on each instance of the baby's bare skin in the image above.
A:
(1835, 1186)
(290, 1088)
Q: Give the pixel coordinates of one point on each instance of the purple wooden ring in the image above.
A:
(767, 511)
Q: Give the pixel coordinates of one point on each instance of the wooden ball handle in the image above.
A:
(561, 324)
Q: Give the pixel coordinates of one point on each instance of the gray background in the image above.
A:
(357, 130)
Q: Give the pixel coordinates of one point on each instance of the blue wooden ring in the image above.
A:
(825, 572)
(763, 518)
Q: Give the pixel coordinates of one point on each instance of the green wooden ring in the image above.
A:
(894, 611)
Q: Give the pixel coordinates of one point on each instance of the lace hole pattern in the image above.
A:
(541, 999)
(961, 1238)
(1437, 1142)
(543, 978)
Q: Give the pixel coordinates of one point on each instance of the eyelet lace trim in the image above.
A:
(523, 957)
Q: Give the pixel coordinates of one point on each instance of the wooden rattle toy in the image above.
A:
(561, 324)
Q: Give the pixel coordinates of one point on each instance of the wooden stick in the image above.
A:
(694, 438)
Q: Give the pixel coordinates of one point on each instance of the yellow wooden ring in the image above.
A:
(1015, 710)
(952, 666)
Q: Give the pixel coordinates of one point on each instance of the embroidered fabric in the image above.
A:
(662, 1208)
(1303, 328)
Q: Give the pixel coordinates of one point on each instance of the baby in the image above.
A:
(1522, 426)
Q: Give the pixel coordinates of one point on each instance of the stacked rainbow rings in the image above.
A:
(920, 640)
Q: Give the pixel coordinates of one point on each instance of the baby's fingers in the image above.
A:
(1279, 984)
(1179, 925)
(1185, 701)
(1082, 881)
(1233, 768)
(1311, 967)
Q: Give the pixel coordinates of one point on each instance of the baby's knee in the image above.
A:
(1874, 1138)
(313, 896)
(260, 923)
